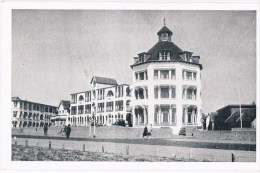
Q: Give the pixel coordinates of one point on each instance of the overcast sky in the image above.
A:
(55, 53)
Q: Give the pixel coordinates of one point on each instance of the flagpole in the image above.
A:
(239, 105)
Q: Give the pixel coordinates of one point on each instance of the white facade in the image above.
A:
(108, 104)
(166, 86)
(180, 99)
(30, 114)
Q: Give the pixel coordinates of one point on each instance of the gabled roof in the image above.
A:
(104, 80)
(163, 46)
(65, 103)
(164, 29)
(16, 98)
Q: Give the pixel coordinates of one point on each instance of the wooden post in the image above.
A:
(84, 147)
(63, 146)
(26, 143)
(127, 150)
(49, 144)
(103, 150)
(232, 157)
(15, 141)
(190, 154)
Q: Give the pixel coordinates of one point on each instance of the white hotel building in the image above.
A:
(30, 114)
(107, 100)
(166, 86)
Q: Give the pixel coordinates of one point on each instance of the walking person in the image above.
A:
(68, 130)
(145, 133)
(45, 129)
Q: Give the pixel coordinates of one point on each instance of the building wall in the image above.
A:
(178, 83)
(30, 114)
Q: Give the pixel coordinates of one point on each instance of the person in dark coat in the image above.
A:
(45, 129)
(145, 132)
(68, 130)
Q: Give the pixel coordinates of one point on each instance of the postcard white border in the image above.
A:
(5, 84)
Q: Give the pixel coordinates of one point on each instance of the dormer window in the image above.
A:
(164, 56)
(141, 59)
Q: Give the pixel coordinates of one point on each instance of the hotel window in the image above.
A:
(119, 105)
(164, 92)
(80, 109)
(88, 108)
(194, 75)
(156, 74)
(14, 113)
(156, 89)
(100, 107)
(141, 59)
(73, 110)
(81, 98)
(15, 104)
(173, 75)
(156, 109)
(164, 74)
(141, 75)
(173, 92)
(146, 75)
(136, 76)
(73, 98)
(109, 106)
(25, 106)
(164, 56)
(165, 114)
(188, 75)
(189, 94)
(110, 93)
(173, 114)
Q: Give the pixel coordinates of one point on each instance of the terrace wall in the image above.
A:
(247, 135)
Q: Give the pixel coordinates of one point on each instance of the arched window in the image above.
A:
(110, 93)
(81, 98)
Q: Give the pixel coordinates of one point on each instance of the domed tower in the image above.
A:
(166, 85)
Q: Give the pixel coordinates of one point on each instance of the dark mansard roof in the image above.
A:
(163, 46)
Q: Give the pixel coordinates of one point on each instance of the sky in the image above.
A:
(56, 52)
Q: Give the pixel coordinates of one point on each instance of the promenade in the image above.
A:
(177, 146)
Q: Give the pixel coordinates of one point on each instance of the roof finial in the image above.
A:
(164, 21)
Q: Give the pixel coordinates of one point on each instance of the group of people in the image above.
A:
(65, 131)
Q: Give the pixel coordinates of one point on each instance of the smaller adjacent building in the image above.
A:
(31, 114)
(63, 113)
(107, 101)
(229, 117)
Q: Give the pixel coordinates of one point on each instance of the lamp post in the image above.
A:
(94, 118)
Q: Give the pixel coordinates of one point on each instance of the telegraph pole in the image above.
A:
(240, 105)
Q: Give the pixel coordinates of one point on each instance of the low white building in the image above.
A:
(166, 86)
(30, 114)
(107, 100)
